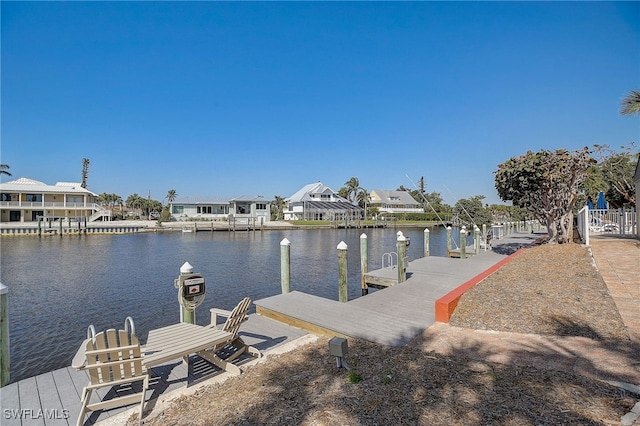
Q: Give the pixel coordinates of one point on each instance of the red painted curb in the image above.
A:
(447, 303)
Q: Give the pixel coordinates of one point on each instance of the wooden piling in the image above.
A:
(4, 335)
(343, 288)
(463, 243)
(449, 241)
(476, 239)
(401, 245)
(285, 265)
(426, 242)
(364, 263)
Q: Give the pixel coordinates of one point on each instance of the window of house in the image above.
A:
(261, 206)
(34, 198)
(177, 209)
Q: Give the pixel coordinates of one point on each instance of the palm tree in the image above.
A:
(171, 195)
(278, 205)
(85, 172)
(363, 199)
(631, 103)
(352, 186)
(3, 169)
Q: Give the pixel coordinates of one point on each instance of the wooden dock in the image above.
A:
(397, 314)
(54, 398)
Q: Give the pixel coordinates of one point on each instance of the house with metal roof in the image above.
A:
(389, 202)
(317, 201)
(29, 200)
(254, 209)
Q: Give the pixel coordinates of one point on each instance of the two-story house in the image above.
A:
(391, 202)
(317, 201)
(28, 200)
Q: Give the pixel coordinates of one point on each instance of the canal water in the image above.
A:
(60, 285)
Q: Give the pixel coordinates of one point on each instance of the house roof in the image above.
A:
(250, 199)
(329, 205)
(395, 197)
(304, 193)
(31, 185)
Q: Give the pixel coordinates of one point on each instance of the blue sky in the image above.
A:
(243, 98)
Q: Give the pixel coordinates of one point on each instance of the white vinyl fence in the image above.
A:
(606, 222)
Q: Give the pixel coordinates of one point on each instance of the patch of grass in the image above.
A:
(354, 375)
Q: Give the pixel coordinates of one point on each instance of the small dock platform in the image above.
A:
(397, 314)
(54, 398)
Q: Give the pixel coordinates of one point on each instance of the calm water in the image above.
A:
(58, 286)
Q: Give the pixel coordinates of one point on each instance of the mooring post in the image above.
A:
(285, 265)
(476, 239)
(343, 289)
(364, 263)
(463, 243)
(449, 241)
(484, 235)
(401, 245)
(426, 242)
(4, 336)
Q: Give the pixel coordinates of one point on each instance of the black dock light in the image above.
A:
(338, 347)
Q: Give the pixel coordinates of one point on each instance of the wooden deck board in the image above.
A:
(10, 400)
(343, 319)
(68, 392)
(29, 400)
(50, 400)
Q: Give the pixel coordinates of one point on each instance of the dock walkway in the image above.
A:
(397, 314)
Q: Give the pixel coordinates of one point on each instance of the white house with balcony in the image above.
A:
(393, 202)
(28, 200)
(317, 201)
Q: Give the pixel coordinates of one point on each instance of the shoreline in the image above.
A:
(138, 226)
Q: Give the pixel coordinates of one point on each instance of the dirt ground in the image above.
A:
(548, 291)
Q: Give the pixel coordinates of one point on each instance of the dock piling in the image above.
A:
(343, 289)
(476, 239)
(285, 265)
(463, 243)
(364, 263)
(4, 336)
(401, 245)
(426, 242)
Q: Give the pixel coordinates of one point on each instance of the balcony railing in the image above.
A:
(48, 205)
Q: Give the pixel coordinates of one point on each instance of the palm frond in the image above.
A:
(631, 103)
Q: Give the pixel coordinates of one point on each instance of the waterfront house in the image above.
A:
(28, 200)
(250, 209)
(243, 209)
(200, 208)
(392, 202)
(317, 201)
